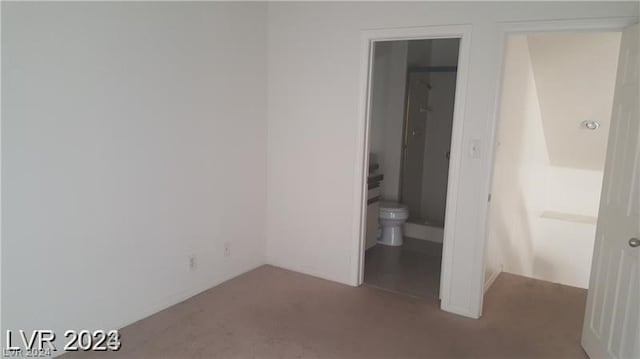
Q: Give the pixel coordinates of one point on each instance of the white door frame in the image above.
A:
(527, 27)
(369, 37)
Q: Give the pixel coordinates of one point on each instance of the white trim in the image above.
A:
(491, 280)
(579, 25)
(523, 27)
(362, 157)
(453, 187)
(1, 181)
(430, 32)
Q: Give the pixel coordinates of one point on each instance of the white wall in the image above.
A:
(133, 136)
(521, 161)
(573, 190)
(561, 60)
(542, 219)
(313, 126)
(140, 140)
(387, 112)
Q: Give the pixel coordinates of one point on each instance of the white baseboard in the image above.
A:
(492, 278)
(465, 312)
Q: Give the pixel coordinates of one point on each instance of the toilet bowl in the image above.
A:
(391, 218)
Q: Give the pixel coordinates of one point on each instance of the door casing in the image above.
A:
(369, 38)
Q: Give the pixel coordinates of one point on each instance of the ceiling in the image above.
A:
(575, 79)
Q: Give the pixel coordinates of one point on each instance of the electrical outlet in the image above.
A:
(227, 249)
(193, 263)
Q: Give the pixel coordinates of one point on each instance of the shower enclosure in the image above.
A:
(427, 142)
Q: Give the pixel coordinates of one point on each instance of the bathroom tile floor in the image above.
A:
(412, 269)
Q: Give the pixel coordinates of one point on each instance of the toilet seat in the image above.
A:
(393, 210)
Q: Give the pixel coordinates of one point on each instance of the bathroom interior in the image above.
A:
(411, 120)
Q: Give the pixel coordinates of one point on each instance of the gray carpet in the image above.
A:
(274, 313)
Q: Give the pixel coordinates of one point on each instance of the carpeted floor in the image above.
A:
(274, 313)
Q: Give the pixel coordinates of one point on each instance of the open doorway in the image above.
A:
(547, 192)
(413, 88)
(551, 145)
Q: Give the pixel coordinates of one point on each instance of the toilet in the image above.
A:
(391, 218)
